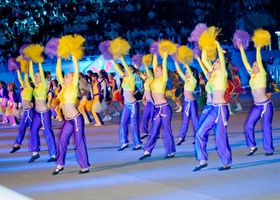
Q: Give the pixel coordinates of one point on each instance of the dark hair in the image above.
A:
(90, 72)
(94, 75)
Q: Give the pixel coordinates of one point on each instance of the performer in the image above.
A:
(217, 118)
(149, 108)
(3, 101)
(26, 96)
(96, 101)
(190, 105)
(263, 107)
(74, 121)
(42, 116)
(163, 112)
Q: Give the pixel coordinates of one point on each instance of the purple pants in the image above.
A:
(147, 116)
(204, 112)
(42, 119)
(217, 118)
(162, 116)
(26, 121)
(76, 126)
(262, 110)
(130, 113)
(190, 111)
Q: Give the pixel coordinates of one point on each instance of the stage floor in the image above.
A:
(120, 175)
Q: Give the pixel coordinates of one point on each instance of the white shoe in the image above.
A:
(98, 124)
(107, 118)
(116, 114)
(231, 113)
(238, 109)
(180, 109)
(176, 107)
(14, 124)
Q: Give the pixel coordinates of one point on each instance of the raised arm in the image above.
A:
(164, 66)
(189, 71)
(26, 80)
(31, 72)
(204, 70)
(117, 68)
(155, 62)
(245, 60)
(221, 56)
(42, 75)
(19, 78)
(129, 72)
(149, 74)
(259, 60)
(181, 74)
(75, 80)
(58, 71)
(205, 61)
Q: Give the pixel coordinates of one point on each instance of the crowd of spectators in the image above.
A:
(139, 21)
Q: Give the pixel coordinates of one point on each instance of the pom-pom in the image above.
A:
(212, 54)
(184, 54)
(154, 48)
(24, 64)
(198, 30)
(22, 53)
(119, 47)
(207, 41)
(13, 65)
(196, 50)
(51, 47)
(71, 45)
(34, 52)
(137, 60)
(214, 31)
(261, 38)
(104, 48)
(168, 46)
(147, 60)
(241, 37)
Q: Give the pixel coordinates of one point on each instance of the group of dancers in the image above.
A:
(210, 56)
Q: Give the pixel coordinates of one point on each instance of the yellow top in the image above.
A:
(41, 89)
(26, 93)
(257, 80)
(158, 85)
(218, 76)
(190, 83)
(128, 81)
(208, 88)
(68, 93)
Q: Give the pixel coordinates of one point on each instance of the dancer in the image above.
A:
(218, 116)
(74, 121)
(113, 88)
(190, 105)
(263, 107)
(26, 97)
(42, 116)
(163, 112)
(238, 89)
(3, 101)
(103, 79)
(201, 102)
(96, 101)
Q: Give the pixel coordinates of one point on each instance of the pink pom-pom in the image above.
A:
(104, 48)
(154, 48)
(22, 53)
(51, 47)
(195, 34)
(137, 60)
(241, 37)
(13, 65)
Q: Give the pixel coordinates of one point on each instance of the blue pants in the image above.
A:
(76, 126)
(190, 111)
(147, 116)
(42, 119)
(217, 118)
(130, 113)
(262, 110)
(26, 121)
(162, 116)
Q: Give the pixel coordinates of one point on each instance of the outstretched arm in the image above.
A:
(181, 74)
(75, 80)
(58, 71)
(19, 78)
(31, 72)
(150, 75)
(204, 70)
(205, 61)
(42, 75)
(259, 60)
(117, 68)
(221, 56)
(244, 59)
(164, 66)
(129, 72)
(155, 63)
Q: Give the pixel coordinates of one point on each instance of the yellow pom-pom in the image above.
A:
(119, 47)
(71, 45)
(167, 45)
(261, 38)
(184, 54)
(147, 59)
(214, 31)
(34, 52)
(207, 41)
(24, 65)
